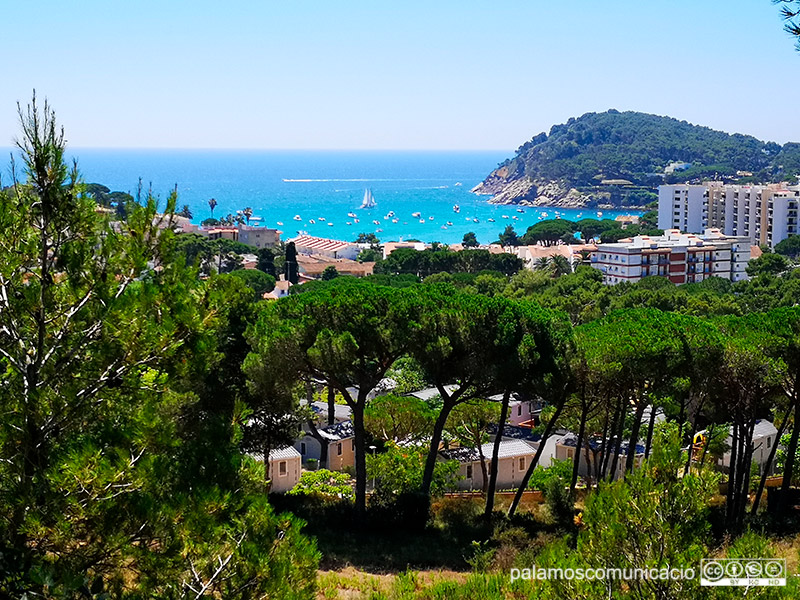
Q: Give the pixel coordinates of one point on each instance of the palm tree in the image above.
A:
(212, 204)
(560, 265)
(542, 263)
(247, 212)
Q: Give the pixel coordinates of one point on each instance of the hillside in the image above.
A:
(619, 158)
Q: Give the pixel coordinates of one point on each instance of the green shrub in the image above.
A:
(323, 483)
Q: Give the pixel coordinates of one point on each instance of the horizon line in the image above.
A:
(257, 149)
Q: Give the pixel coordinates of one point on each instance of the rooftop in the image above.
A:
(338, 431)
(508, 448)
(320, 244)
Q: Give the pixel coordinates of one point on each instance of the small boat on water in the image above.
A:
(456, 207)
(376, 222)
(449, 223)
(505, 216)
(416, 215)
(422, 220)
(490, 220)
(378, 230)
(297, 218)
(322, 219)
(349, 223)
(256, 219)
(368, 201)
(443, 227)
(280, 223)
(395, 220)
(457, 184)
(352, 215)
(311, 221)
(599, 213)
(330, 224)
(356, 221)
(390, 214)
(520, 210)
(515, 217)
(430, 218)
(475, 220)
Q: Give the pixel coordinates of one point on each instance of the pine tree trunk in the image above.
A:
(732, 473)
(788, 469)
(548, 430)
(770, 459)
(360, 457)
(578, 447)
(433, 451)
(331, 405)
(650, 426)
(634, 439)
(618, 444)
(494, 465)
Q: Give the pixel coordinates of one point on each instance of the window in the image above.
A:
(570, 453)
(303, 448)
(339, 449)
(282, 468)
(522, 463)
(519, 410)
(353, 447)
(469, 471)
(769, 442)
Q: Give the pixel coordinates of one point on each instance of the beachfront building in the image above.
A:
(259, 237)
(680, 257)
(310, 245)
(766, 214)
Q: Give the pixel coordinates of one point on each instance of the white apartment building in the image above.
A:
(680, 257)
(766, 214)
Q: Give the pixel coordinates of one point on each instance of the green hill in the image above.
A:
(619, 158)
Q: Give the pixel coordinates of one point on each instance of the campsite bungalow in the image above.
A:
(513, 461)
(566, 448)
(340, 442)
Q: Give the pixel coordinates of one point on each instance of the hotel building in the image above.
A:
(680, 257)
(765, 214)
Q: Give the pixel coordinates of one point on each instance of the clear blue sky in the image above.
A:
(434, 74)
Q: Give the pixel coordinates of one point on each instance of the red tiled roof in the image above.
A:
(322, 244)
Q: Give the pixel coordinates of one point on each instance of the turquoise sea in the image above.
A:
(324, 186)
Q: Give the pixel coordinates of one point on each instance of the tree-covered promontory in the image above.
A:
(619, 157)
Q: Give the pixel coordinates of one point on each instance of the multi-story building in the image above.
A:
(259, 237)
(766, 214)
(680, 257)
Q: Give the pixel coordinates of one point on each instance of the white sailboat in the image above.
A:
(369, 201)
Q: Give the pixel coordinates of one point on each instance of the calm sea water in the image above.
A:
(324, 186)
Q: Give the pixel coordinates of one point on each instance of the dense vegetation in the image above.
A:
(636, 147)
